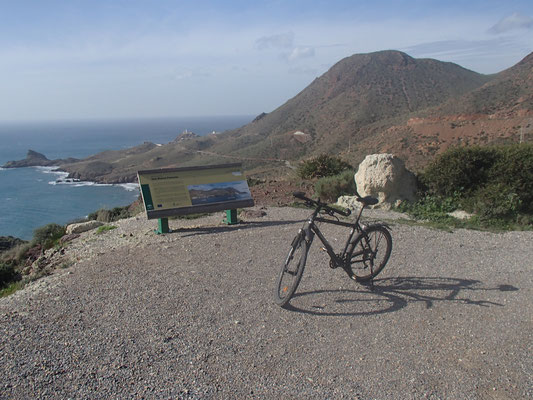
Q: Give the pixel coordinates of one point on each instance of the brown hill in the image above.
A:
(500, 111)
(354, 99)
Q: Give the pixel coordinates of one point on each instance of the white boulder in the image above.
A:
(384, 176)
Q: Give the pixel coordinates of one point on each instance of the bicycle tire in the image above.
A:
(291, 270)
(366, 249)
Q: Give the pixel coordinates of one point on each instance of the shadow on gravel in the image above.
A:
(201, 230)
(392, 294)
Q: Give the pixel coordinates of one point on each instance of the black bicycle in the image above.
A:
(365, 253)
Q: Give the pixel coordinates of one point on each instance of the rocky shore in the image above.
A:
(35, 159)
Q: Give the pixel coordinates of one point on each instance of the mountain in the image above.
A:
(385, 101)
(357, 96)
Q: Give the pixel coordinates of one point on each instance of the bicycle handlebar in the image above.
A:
(329, 210)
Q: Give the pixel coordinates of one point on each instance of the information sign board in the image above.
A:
(180, 191)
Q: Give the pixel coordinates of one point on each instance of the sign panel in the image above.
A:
(179, 191)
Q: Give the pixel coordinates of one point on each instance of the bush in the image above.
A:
(113, 215)
(495, 201)
(495, 183)
(459, 170)
(321, 166)
(332, 187)
(8, 274)
(48, 235)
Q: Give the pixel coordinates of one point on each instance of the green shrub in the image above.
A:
(331, 188)
(431, 208)
(105, 228)
(495, 201)
(113, 215)
(48, 235)
(495, 183)
(459, 170)
(8, 274)
(321, 166)
(514, 170)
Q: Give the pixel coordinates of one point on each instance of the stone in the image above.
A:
(83, 227)
(252, 213)
(384, 176)
(69, 238)
(460, 214)
(349, 202)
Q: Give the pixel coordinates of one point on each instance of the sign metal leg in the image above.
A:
(231, 217)
(162, 226)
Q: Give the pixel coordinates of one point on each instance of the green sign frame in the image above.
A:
(170, 192)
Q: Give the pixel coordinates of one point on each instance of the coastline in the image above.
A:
(42, 195)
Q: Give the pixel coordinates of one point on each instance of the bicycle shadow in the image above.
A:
(399, 292)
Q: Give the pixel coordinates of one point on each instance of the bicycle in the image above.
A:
(363, 257)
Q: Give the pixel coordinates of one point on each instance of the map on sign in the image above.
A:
(180, 191)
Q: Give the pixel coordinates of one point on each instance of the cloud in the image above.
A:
(299, 53)
(280, 41)
(513, 22)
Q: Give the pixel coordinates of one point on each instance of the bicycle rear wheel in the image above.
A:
(291, 271)
(370, 252)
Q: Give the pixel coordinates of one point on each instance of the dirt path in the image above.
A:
(190, 315)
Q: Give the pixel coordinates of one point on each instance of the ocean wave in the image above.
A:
(130, 187)
(52, 170)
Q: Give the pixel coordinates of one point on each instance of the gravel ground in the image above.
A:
(189, 315)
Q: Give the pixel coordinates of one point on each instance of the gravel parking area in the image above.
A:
(190, 315)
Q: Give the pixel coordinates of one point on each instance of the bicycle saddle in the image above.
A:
(368, 200)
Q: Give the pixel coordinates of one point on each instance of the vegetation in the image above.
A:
(494, 183)
(105, 228)
(112, 215)
(47, 236)
(8, 274)
(330, 188)
(321, 166)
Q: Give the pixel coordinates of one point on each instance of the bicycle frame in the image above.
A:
(310, 228)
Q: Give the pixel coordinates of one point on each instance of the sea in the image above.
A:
(33, 197)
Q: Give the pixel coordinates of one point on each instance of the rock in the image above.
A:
(459, 214)
(253, 213)
(69, 238)
(349, 202)
(384, 176)
(35, 159)
(83, 227)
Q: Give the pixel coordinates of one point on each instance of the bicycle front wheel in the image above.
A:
(370, 252)
(291, 271)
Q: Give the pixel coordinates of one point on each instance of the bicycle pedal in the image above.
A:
(323, 249)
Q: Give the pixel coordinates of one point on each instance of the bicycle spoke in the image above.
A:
(374, 244)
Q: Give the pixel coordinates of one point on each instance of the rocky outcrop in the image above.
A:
(83, 227)
(35, 159)
(384, 176)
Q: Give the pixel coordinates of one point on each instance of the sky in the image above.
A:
(92, 59)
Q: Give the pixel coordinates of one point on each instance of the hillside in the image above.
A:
(499, 111)
(378, 102)
(355, 99)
